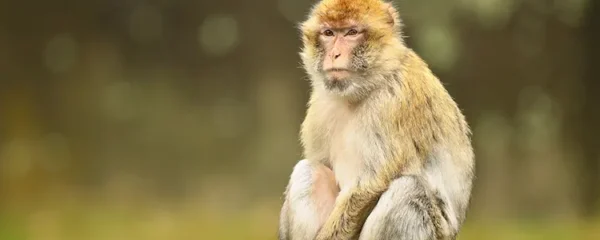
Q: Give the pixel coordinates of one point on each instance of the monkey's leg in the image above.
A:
(406, 211)
(309, 199)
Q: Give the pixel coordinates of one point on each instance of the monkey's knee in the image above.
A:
(310, 178)
(405, 211)
(313, 184)
(309, 200)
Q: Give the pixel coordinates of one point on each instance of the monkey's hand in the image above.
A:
(350, 212)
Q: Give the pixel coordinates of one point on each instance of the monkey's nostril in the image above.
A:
(337, 56)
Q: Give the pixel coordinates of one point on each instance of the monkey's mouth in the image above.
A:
(334, 70)
(337, 74)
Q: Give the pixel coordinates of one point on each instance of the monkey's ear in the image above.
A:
(392, 14)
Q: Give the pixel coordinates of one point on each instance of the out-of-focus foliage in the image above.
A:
(155, 119)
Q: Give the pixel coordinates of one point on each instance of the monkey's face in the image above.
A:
(349, 45)
(340, 50)
(346, 59)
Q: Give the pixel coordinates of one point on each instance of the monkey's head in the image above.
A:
(350, 45)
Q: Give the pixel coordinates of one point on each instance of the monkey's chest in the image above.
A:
(348, 153)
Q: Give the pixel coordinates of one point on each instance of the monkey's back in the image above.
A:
(430, 117)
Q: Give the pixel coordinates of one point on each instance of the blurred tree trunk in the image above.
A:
(590, 171)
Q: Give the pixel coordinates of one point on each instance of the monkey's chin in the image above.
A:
(336, 84)
(352, 89)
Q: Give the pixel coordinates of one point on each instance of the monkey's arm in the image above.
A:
(349, 214)
(354, 205)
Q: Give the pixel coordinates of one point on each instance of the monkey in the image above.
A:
(387, 152)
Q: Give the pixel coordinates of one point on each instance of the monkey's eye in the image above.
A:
(352, 32)
(328, 33)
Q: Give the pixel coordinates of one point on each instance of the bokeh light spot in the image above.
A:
(218, 34)
(439, 45)
(118, 101)
(61, 53)
(571, 12)
(293, 10)
(146, 24)
(492, 14)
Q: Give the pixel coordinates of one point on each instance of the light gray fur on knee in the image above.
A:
(300, 180)
(299, 209)
(401, 213)
(451, 183)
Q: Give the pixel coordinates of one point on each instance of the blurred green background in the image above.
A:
(157, 119)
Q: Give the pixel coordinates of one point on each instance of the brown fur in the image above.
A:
(403, 117)
(426, 116)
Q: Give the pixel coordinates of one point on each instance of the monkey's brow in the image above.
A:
(338, 29)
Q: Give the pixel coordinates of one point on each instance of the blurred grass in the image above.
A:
(104, 221)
